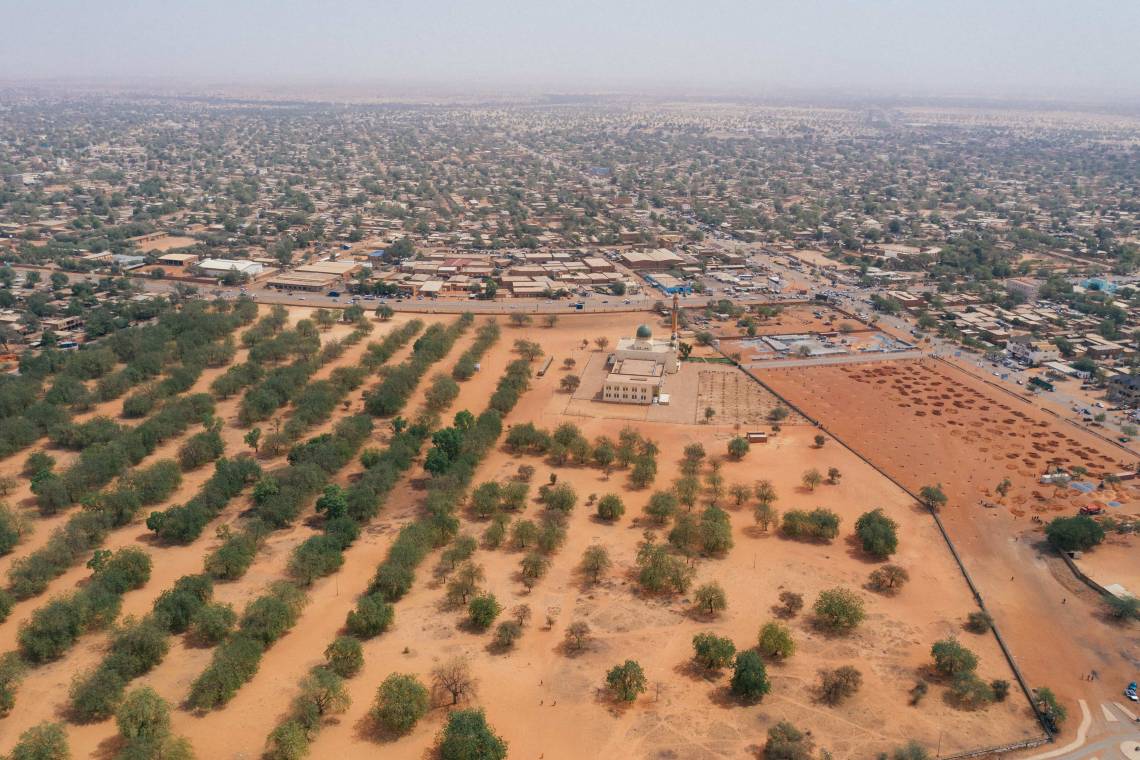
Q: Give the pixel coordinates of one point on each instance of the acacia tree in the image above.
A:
(454, 679)
(626, 681)
(710, 598)
(401, 701)
(932, 497)
(577, 634)
(595, 562)
(811, 479)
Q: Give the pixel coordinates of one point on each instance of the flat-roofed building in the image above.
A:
(178, 259)
(655, 260)
(342, 269)
(308, 282)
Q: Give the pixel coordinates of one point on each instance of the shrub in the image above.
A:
(839, 609)
(44, 741)
(888, 579)
(1122, 608)
(288, 741)
(560, 497)
(467, 737)
(979, 622)
(1000, 688)
(969, 692)
(401, 701)
(507, 633)
(786, 742)
(738, 447)
(838, 684)
(662, 505)
(817, 525)
(912, 750)
(776, 641)
(482, 611)
(199, 449)
(791, 603)
(345, 656)
(372, 616)
(1054, 712)
(143, 716)
(750, 677)
(610, 507)
(175, 608)
(715, 531)
(877, 533)
(212, 623)
(952, 659)
(626, 681)
(713, 652)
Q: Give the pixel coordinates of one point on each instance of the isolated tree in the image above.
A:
(1047, 703)
(519, 319)
(749, 677)
(595, 562)
(1077, 533)
(811, 479)
(384, 312)
(532, 567)
(951, 658)
(839, 609)
(253, 438)
(400, 702)
(626, 681)
(713, 652)
(577, 635)
(820, 439)
(1004, 487)
(528, 349)
(888, 579)
(610, 507)
(468, 737)
(482, 611)
(932, 497)
(877, 533)
(454, 679)
(979, 622)
(710, 598)
(738, 447)
(464, 583)
(601, 342)
(709, 413)
(833, 475)
(775, 641)
(570, 383)
(836, 685)
(791, 603)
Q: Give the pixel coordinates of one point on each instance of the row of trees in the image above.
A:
(85, 531)
(374, 613)
(100, 463)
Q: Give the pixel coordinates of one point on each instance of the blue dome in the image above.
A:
(643, 332)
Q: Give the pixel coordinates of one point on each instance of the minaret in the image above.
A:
(676, 307)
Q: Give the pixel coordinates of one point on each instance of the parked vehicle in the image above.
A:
(1130, 692)
(1092, 509)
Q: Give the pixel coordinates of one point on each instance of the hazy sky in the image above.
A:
(961, 47)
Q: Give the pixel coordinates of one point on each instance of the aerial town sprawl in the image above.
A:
(611, 427)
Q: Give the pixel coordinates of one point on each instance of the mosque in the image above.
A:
(638, 367)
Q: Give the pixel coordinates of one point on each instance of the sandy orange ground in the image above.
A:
(544, 703)
(925, 422)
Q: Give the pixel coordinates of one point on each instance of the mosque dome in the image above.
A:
(644, 333)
